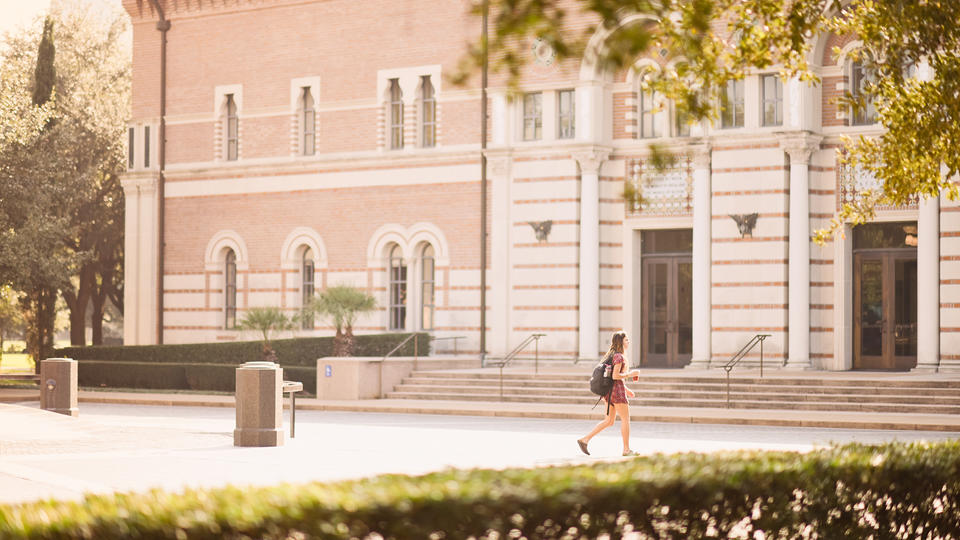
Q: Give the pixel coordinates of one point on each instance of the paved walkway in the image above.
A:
(691, 415)
(134, 447)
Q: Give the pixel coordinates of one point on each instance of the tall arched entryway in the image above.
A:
(667, 276)
(885, 296)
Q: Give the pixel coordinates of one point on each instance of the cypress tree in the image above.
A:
(40, 301)
(45, 75)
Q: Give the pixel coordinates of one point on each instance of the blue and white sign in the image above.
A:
(328, 370)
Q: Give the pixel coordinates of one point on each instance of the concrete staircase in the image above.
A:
(814, 391)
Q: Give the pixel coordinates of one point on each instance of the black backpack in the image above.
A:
(601, 382)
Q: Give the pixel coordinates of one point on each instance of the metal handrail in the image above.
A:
(454, 338)
(416, 354)
(736, 358)
(506, 360)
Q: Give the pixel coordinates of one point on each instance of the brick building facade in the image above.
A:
(311, 143)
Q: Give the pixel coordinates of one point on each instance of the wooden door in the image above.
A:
(667, 312)
(885, 310)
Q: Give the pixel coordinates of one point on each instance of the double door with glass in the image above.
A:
(885, 310)
(667, 311)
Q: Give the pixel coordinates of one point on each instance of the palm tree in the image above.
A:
(342, 305)
(267, 321)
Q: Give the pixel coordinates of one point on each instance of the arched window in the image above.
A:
(233, 129)
(428, 116)
(396, 115)
(859, 79)
(307, 287)
(230, 290)
(398, 289)
(307, 124)
(427, 287)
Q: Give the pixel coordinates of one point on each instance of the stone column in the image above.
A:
(140, 258)
(58, 386)
(928, 285)
(259, 405)
(500, 278)
(799, 147)
(702, 253)
(590, 162)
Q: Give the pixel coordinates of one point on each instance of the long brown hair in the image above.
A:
(616, 344)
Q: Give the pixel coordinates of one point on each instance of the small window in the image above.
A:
(648, 118)
(427, 287)
(428, 137)
(146, 146)
(859, 79)
(232, 129)
(308, 124)
(230, 290)
(771, 100)
(532, 117)
(307, 288)
(731, 105)
(566, 114)
(396, 115)
(131, 132)
(398, 289)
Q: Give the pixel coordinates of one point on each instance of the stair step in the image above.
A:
(548, 394)
(694, 403)
(866, 391)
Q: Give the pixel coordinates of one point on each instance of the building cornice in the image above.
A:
(142, 10)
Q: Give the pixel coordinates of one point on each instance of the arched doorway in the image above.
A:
(885, 296)
(667, 278)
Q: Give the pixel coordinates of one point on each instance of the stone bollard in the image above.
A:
(58, 386)
(259, 405)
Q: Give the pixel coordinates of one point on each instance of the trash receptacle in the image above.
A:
(259, 405)
(58, 386)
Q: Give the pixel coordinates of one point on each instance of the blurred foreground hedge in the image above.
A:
(895, 490)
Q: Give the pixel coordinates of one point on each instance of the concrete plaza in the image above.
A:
(126, 447)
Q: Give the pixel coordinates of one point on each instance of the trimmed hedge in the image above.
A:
(290, 352)
(895, 490)
(171, 376)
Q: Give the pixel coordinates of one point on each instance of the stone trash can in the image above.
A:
(58, 386)
(259, 405)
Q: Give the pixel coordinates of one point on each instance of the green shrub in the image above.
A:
(290, 352)
(171, 376)
(894, 490)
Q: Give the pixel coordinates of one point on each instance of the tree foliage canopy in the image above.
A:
(64, 99)
(715, 41)
(267, 321)
(342, 304)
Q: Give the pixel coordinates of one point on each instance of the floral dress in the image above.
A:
(619, 394)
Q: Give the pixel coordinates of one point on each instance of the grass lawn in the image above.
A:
(15, 362)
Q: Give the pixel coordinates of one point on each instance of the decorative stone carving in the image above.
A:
(700, 156)
(541, 229)
(852, 182)
(498, 165)
(590, 160)
(800, 147)
(745, 223)
(543, 52)
(139, 183)
(661, 191)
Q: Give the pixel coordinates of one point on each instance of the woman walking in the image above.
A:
(618, 406)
